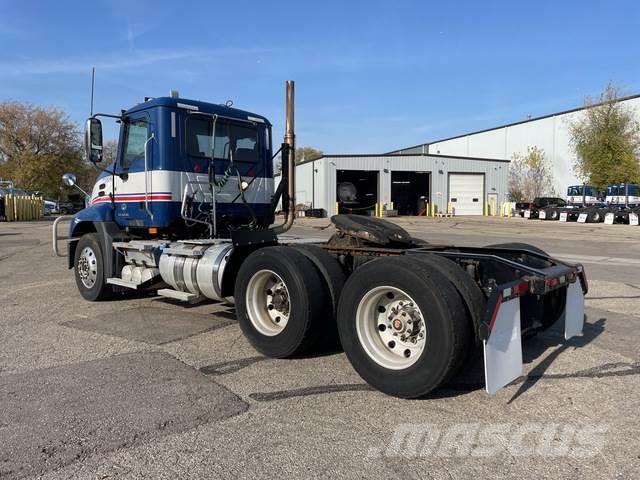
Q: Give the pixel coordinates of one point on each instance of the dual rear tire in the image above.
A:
(404, 324)
(286, 299)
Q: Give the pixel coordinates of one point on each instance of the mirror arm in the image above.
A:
(109, 115)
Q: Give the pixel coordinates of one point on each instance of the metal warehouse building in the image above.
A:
(406, 183)
(549, 132)
(465, 173)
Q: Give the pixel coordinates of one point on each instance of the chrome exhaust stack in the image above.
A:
(288, 163)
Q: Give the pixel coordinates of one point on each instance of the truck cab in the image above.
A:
(179, 168)
(623, 195)
(583, 195)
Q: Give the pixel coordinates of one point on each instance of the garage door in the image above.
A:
(466, 193)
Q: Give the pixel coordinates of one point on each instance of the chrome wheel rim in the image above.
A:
(390, 327)
(268, 302)
(88, 267)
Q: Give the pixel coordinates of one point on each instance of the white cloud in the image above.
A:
(121, 61)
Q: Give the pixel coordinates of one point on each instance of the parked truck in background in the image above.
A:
(187, 212)
(544, 208)
(584, 204)
(622, 203)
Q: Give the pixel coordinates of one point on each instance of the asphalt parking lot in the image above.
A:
(145, 388)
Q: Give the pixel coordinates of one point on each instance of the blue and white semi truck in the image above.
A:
(187, 212)
(622, 203)
(584, 204)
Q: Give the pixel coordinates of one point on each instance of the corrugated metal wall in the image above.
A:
(323, 194)
(551, 133)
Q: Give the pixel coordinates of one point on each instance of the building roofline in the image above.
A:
(512, 124)
(390, 155)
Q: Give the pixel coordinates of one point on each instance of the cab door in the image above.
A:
(132, 184)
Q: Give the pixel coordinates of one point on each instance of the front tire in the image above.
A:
(89, 269)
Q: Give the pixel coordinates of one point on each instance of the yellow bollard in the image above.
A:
(486, 209)
(449, 207)
(426, 209)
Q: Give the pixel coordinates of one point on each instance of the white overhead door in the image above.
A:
(466, 193)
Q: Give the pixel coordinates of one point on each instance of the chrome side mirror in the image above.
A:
(93, 140)
(69, 179)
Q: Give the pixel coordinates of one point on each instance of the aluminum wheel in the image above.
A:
(268, 302)
(390, 327)
(88, 267)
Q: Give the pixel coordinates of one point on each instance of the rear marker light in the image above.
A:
(515, 291)
(552, 282)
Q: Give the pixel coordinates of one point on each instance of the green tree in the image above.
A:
(302, 154)
(307, 154)
(606, 141)
(37, 145)
(530, 176)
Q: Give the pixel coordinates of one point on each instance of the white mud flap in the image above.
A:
(542, 215)
(633, 219)
(503, 348)
(582, 218)
(608, 218)
(527, 214)
(574, 311)
(563, 216)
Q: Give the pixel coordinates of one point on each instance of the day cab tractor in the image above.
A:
(584, 204)
(622, 203)
(187, 212)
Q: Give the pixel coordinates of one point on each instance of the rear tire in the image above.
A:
(279, 301)
(414, 301)
(333, 277)
(89, 269)
(472, 297)
(595, 216)
(552, 214)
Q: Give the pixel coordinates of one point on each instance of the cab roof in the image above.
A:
(198, 106)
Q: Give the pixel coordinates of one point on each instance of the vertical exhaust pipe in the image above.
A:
(289, 162)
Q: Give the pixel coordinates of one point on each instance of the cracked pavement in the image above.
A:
(142, 387)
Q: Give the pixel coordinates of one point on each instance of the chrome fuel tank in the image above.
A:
(196, 268)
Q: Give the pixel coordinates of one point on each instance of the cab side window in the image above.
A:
(135, 136)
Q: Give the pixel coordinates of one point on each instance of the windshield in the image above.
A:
(619, 190)
(232, 141)
(633, 190)
(577, 191)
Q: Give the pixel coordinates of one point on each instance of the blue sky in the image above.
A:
(371, 76)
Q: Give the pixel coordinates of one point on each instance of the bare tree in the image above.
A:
(530, 176)
(110, 152)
